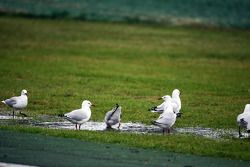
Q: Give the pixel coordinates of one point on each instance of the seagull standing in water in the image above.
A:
(167, 119)
(175, 101)
(80, 116)
(113, 117)
(243, 120)
(18, 102)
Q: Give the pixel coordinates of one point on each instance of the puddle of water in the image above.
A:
(101, 126)
(8, 117)
(128, 127)
(210, 133)
(3, 164)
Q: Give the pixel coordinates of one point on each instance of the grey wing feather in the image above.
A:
(77, 115)
(117, 114)
(165, 120)
(108, 115)
(159, 108)
(113, 115)
(10, 102)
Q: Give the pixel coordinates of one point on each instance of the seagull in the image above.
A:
(18, 102)
(113, 117)
(160, 108)
(167, 119)
(81, 115)
(175, 101)
(243, 120)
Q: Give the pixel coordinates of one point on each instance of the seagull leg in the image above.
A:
(163, 130)
(240, 135)
(119, 125)
(80, 126)
(23, 114)
(108, 126)
(76, 126)
(13, 113)
(248, 133)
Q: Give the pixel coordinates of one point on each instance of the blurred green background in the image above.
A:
(226, 13)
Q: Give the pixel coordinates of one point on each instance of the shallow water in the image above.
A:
(8, 117)
(129, 127)
(140, 128)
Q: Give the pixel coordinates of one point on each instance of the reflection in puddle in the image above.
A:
(129, 127)
(7, 117)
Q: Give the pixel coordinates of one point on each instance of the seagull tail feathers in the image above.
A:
(152, 109)
(3, 102)
(61, 115)
(154, 122)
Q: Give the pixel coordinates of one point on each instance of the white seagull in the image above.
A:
(160, 108)
(113, 117)
(175, 101)
(81, 115)
(18, 102)
(167, 119)
(243, 120)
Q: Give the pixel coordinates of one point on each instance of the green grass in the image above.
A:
(41, 150)
(230, 149)
(62, 62)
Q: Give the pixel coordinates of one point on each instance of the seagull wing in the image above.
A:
(116, 114)
(76, 115)
(12, 101)
(159, 108)
(108, 115)
(113, 116)
(176, 102)
(247, 121)
(166, 119)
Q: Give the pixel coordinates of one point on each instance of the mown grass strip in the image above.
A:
(189, 144)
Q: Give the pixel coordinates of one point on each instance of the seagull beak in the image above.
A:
(160, 98)
(92, 105)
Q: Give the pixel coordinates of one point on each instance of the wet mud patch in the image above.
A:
(127, 127)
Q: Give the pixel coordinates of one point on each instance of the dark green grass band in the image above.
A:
(34, 149)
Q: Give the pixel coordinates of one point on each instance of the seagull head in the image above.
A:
(87, 103)
(24, 92)
(117, 107)
(176, 93)
(166, 98)
(247, 108)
